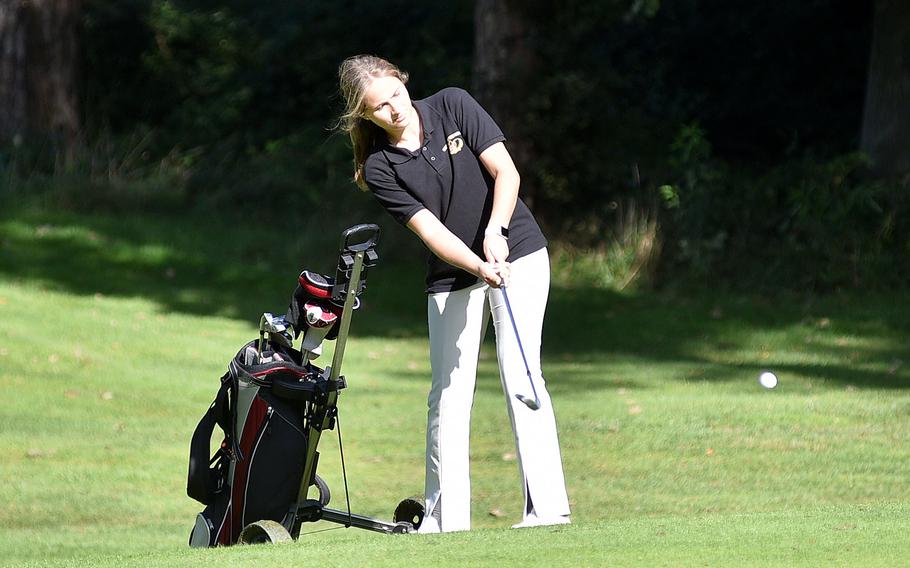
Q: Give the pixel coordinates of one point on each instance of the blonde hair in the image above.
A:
(354, 76)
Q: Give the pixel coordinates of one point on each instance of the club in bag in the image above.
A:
(532, 404)
(278, 330)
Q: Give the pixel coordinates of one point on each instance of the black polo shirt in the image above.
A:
(445, 176)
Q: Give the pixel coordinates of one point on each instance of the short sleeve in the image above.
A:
(478, 128)
(395, 199)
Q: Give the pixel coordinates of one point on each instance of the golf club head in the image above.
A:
(283, 338)
(529, 402)
(270, 323)
(278, 330)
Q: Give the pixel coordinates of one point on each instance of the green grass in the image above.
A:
(115, 330)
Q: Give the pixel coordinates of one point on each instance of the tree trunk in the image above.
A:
(13, 89)
(503, 64)
(886, 118)
(38, 71)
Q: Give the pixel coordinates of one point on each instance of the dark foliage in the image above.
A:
(735, 122)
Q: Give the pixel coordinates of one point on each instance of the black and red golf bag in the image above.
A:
(263, 407)
(273, 406)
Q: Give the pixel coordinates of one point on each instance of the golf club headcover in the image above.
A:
(320, 323)
(310, 286)
(315, 290)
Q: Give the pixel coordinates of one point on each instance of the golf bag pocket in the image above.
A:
(210, 524)
(275, 468)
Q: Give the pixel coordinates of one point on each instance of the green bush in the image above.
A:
(804, 224)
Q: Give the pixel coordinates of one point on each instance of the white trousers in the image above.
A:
(457, 321)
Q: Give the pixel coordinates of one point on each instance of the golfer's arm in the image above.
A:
(443, 243)
(497, 160)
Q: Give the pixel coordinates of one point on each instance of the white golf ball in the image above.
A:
(768, 380)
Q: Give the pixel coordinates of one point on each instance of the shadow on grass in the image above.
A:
(230, 267)
(238, 268)
(856, 341)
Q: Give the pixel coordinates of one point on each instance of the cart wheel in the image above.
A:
(410, 510)
(403, 527)
(264, 532)
(324, 494)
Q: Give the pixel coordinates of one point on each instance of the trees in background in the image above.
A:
(742, 120)
(13, 95)
(39, 52)
(612, 71)
(503, 72)
(886, 119)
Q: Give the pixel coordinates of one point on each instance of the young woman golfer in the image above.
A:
(439, 167)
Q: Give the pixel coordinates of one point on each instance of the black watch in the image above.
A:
(503, 231)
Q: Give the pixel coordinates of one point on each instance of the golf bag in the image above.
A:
(262, 407)
(272, 406)
(256, 472)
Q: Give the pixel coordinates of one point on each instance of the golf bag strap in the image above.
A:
(203, 482)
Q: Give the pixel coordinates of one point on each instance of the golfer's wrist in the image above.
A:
(497, 230)
(478, 267)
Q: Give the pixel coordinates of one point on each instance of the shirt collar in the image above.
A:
(428, 118)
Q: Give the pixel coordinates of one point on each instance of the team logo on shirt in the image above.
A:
(454, 142)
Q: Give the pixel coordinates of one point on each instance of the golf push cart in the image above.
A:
(273, 405)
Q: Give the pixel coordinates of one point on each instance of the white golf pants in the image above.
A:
(457, 321)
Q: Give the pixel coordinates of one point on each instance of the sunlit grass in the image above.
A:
(673, 453)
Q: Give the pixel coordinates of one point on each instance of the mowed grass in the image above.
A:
(114, 332)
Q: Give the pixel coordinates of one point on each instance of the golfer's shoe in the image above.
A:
(533, 520)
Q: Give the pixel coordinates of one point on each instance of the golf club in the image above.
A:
(532, 404)
(278, 330)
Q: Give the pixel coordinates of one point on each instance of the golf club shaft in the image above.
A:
(505, 296)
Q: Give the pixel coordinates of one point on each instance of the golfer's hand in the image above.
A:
(491, 274)
(504, 269)
(495, 248)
